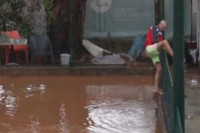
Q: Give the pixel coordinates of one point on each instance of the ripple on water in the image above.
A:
(31, 90)
(192, 83)
(121, 116)
(2, 97)
(34, 124)
(63, 119)
(10, 103)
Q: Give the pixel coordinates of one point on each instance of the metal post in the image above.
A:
(198, 29)
(163, 9)
(71, 29)
(179, 59)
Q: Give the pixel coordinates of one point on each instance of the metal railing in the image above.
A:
(170, 111)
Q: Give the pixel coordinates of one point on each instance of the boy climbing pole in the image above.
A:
(154, 44)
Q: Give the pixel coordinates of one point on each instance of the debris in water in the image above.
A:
(193, 82)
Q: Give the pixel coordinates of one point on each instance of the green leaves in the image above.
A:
(16, 14)
(48, 4)
(10, 14)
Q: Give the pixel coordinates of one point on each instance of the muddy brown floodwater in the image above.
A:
(73, 104)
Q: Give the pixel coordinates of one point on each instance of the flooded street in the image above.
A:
(105, 104)
(192, 99)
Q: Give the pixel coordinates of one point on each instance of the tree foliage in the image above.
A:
(11, 17)
(20, 15)
(48, 4)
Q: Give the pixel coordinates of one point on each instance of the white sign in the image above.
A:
(101, 6)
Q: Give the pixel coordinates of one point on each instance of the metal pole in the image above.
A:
(179, 59)
(71, 29)
(163, 9)
(191, 36)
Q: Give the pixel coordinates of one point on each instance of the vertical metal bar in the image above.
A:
(179, 58)
(191, 36)
(179, 121)
(163, 9)
(71, 12)
(198, 28)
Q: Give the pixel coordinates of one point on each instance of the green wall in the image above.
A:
(168, 9)
(128, 18)
(122, 18)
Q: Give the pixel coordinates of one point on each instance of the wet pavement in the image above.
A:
(192, 100)
(78, 104)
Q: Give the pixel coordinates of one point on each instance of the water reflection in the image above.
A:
(75, 105)
(192, 93)
(63, 119)
(34, 124)
(124, 116)
(120, 109)
(10, 103)
(31, 90)
(1, 94)
(193, 82)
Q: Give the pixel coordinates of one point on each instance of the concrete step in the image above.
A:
(136, 68)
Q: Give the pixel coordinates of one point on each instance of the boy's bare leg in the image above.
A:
(164, 44)
(157, 76)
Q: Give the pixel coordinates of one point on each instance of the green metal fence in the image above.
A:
(171, 111)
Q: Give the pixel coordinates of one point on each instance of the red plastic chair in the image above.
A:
(17, 48)
(6, 48)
